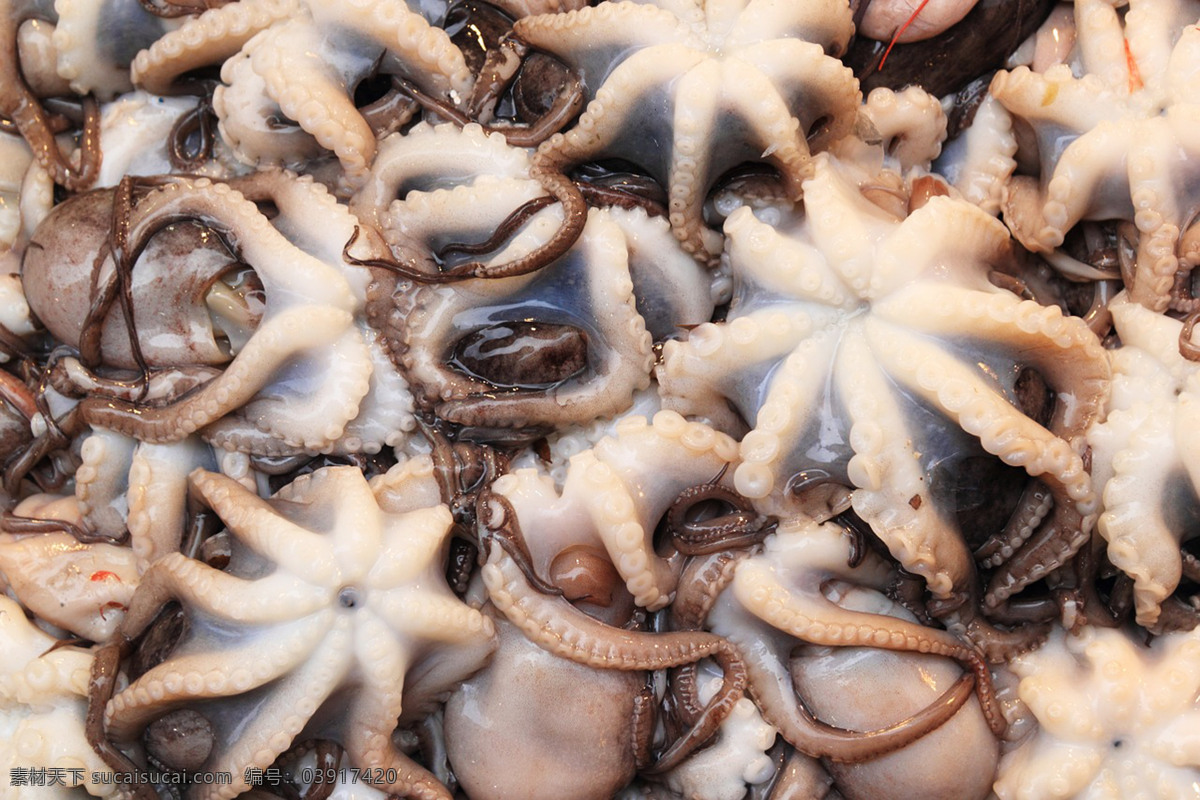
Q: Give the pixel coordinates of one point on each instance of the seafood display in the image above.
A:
(665, 399)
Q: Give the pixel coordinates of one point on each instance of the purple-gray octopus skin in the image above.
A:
(942, 65)
(173, 321)
(538, 727)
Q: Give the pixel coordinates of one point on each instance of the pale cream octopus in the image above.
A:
(863, 295)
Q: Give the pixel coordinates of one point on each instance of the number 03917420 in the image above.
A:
(317, 775)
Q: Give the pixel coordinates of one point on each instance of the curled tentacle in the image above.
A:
(567, 632)
(19, 104)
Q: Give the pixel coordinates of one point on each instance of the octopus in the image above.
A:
(290, 70)
(777, 597)
(265, 317)
(598, 400)
(346, 582)
(920, 362)
(513, 357)
(958, 760)
(591, 571)
(1142, 459)
(747, 83)
(598, 527)
(1106, 136)
(1114, 717)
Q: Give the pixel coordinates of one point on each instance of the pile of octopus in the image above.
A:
(625, 399)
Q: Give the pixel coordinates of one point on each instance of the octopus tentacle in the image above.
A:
(282, 427)
(889, 478)
(283, 716)
(436, 617)
(213, 36)
(694, 382)
(70, 377)
(1032, 509)
(771, 685)
(559, 628)
(982, 158)
(189, 677)
(174, 575)
(1061, 347)
(1133, 522)
(370, 743)
(274, 343)
(157, 495)
(257, 524)
(428, 156)
(370, 746)
(783, 414)
(100, 490)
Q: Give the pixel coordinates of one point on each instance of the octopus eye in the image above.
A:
(235, 302)
(526, 354)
